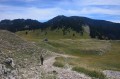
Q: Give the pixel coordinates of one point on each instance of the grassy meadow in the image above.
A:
(92, 55)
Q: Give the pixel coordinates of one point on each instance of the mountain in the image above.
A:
(65, 23)
(100, 29)
(20, 24)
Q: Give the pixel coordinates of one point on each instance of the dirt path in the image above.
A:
(48, 71)
(62, 73)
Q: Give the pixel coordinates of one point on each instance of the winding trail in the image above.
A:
(62, 73)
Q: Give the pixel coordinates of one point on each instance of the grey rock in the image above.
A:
(10, 62)
(7, 73)
(0, 69)
(112, 74)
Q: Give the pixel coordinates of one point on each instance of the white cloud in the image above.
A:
(95, 10)
(116, 21)
(11, 12)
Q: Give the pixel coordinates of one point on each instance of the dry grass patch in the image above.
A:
(90, 73)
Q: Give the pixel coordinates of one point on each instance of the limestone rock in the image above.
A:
(9, 61)
(7, 73)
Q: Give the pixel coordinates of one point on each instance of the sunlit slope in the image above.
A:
(22, 51)
(96, 54)
(52, 34)
(92, 53)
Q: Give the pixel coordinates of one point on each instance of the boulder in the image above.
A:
(46, 40)
(10, 62)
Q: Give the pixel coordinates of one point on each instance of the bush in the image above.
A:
(58, 64)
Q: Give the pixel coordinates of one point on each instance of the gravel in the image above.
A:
(112, 74)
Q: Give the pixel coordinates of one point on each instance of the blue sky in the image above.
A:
(44, 10)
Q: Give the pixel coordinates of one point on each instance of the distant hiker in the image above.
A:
(42, 59)
(26, 33)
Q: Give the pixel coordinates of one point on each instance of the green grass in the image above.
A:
(58, 64)
(93, 74)
(91, 54)
(78, 47)
(76, 67)
(88, 50)
(51, 34)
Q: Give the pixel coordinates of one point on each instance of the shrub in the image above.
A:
(58, 64)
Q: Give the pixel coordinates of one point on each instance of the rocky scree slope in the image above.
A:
(17, 52)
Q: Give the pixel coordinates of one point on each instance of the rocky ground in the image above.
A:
(112, 74)
(48, 71)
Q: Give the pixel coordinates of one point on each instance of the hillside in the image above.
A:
(20, 59)
(13, 46)
(99, 29)
(21, 53)
(90, 56)
(52, 34)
